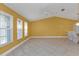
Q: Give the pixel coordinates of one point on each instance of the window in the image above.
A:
(76, 27)
(25, 28)
(6, 28)
(19, 29)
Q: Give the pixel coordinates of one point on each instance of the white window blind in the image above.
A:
(6, 34)
(25, 28)
(19, 29)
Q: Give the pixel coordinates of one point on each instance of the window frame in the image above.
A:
(11, 27)
(25, 29)
(21, 29)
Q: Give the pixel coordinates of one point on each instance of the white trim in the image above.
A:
(11, 27)
(18, 19)
(48, 36)
(25, 29)
(5, 13)
(5, 53)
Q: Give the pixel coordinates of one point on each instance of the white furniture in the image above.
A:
(73, 36)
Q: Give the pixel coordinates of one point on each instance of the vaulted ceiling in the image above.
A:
(36, 11)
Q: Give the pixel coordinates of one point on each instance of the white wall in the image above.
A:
(42, 10)
(55, 10)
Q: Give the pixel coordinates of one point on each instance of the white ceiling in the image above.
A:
(36, 11)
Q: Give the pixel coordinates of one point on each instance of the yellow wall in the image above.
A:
(15, 16)
(52, 26)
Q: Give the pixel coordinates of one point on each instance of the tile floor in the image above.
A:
(46, 47)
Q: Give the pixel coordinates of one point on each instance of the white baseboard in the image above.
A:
(48, 36)
(5, 53)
